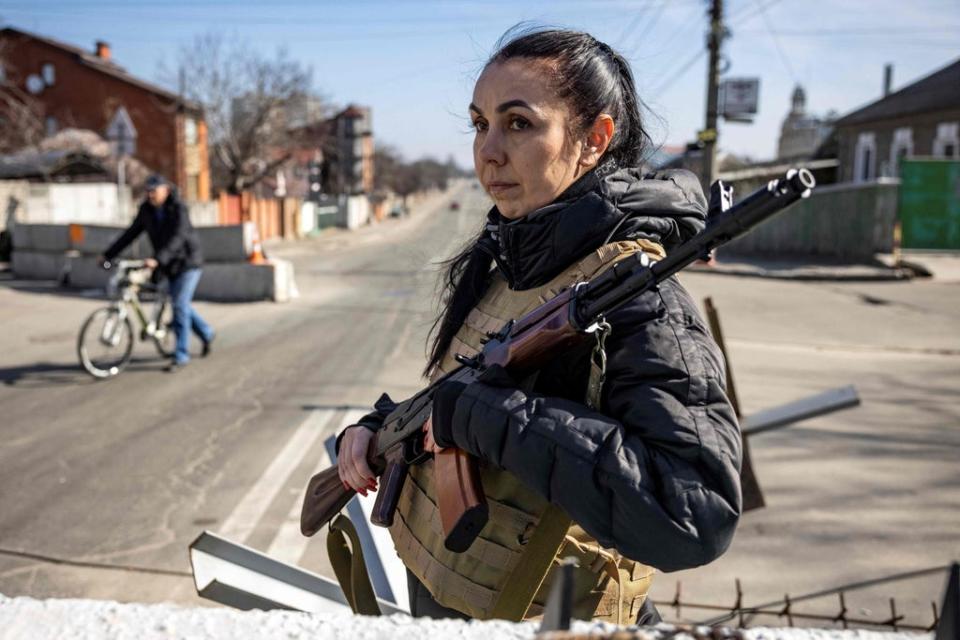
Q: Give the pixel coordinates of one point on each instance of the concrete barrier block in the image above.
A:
(84, 272)
(37, 265)
(236, 282)
(244, 282)
(41, 237)
(93, 239)
(227, 243)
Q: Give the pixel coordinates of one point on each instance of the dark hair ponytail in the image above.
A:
(593, 79)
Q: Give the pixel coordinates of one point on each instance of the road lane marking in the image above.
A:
(241, 522)
(289, 545)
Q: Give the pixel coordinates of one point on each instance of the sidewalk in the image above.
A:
(940, 266)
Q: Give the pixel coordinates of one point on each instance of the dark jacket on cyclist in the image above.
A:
(176, 247)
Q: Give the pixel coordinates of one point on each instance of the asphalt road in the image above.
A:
(118, 477)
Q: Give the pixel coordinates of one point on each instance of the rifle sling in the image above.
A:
(548, 538)
(349, 567)
(532, 567)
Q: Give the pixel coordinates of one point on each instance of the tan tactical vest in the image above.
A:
(609, 586)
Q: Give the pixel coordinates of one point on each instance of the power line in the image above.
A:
(878, 31)
(776, 42)
(679, 74)
(740, 18)
(653, 21)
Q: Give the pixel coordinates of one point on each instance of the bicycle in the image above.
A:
(105, 343)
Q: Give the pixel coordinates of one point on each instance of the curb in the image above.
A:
(811, 274)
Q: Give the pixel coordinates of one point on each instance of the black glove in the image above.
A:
(446, 396)
(444, 404)
(497, 376)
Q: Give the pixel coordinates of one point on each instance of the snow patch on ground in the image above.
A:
(27, 618)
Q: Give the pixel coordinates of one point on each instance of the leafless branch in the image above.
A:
(250, 102)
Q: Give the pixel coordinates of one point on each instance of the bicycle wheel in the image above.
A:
(164, 337)
(105, 343)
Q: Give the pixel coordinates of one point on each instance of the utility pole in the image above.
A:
(709, 135)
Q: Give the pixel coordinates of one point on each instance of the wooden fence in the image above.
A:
(273, 217)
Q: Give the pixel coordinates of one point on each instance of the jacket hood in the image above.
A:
(667, 207)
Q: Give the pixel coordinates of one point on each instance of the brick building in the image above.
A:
(921, 119)
(88, 90)
(334, 156)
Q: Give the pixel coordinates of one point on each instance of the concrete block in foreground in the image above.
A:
(227, 243)
(93, 239)
(244, 282)
(41, 237)
(37, 265)
(84, 272)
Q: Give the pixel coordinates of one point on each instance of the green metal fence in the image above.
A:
(929, 204)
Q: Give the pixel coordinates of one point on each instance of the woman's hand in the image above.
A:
(352, 463)
(150, 263)
(429, 444)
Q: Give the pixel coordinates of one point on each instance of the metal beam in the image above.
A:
(811, 407)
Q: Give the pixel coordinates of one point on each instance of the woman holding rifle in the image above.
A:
(629, 445)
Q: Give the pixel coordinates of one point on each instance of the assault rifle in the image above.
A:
(521, 347)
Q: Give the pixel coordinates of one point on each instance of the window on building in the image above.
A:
(900, 148)
(190, 131)
(865, 158)
(35, 84)
(51, 126)
(947, 142)
(48, 73)
(3, 75)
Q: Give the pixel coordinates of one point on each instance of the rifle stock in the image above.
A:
(326, 496)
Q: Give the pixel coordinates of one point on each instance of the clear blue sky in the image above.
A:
(414, 61)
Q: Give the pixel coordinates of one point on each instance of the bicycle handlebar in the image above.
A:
(125, 265)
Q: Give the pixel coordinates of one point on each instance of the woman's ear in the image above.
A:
(598, 139)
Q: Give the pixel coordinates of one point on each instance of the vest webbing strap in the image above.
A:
(532, 568)
(544, 545)
(349, 568)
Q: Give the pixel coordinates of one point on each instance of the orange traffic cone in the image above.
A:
(257, 257)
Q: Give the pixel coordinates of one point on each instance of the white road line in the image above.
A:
(289, 545)
(247, 513)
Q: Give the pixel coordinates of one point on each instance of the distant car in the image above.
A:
(398, 211)
(454, 206)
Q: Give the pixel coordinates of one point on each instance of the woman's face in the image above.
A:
(524, 149)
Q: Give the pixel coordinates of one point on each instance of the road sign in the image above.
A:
(739, 97)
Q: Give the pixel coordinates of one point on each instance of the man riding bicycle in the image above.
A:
(177, 256)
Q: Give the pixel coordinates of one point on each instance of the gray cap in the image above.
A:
(154, 181)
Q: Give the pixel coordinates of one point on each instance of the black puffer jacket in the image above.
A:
(654, 474)
(176, 246)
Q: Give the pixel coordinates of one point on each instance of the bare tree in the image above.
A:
(393, 173)
(251, 103)
(21, 117)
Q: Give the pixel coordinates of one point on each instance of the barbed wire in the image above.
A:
(784, 608)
